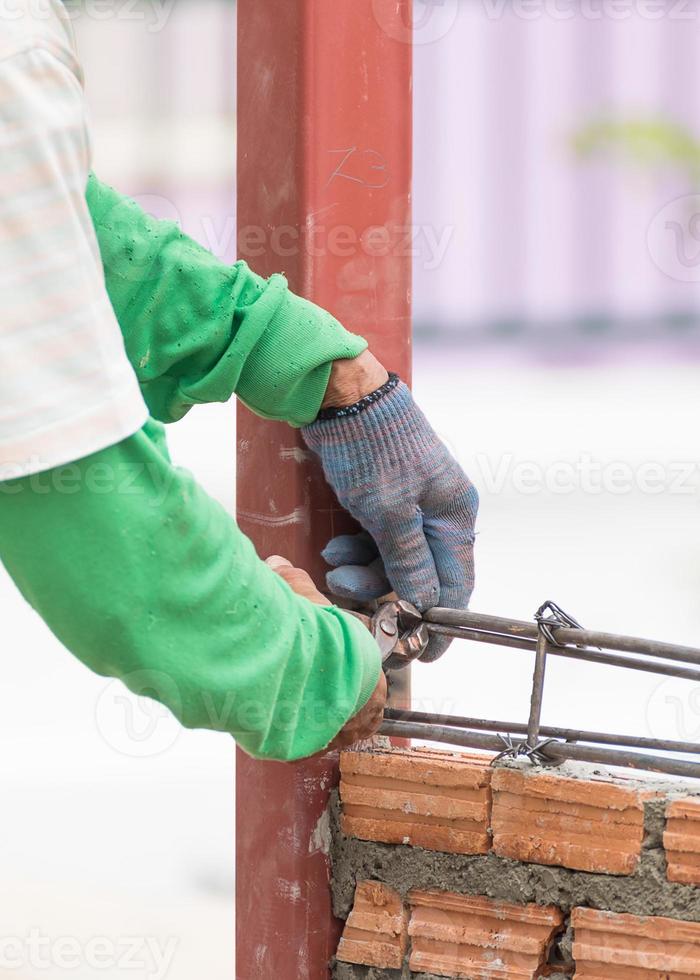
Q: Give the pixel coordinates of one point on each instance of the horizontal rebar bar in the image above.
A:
(577, 644)
(517, 728)
(578, 637)
(556, 751)
(569, 652)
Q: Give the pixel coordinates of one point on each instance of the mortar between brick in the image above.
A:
(646, 892)
(348, 971)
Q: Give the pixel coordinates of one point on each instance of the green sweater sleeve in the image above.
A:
(198, 330)
(145, 578)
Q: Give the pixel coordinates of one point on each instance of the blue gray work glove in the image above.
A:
(390, 470)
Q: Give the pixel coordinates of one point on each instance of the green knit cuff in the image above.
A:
(286, 374)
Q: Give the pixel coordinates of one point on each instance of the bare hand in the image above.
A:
(353, 378)
(368, 720)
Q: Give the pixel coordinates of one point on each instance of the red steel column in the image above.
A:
(324, 175)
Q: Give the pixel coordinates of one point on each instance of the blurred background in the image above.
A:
(557, 317)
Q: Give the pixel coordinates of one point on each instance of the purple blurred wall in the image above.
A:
(513, 230)
(538, 233)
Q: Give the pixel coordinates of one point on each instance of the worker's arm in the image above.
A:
(133, 567)
(145, 578)
(198, 330)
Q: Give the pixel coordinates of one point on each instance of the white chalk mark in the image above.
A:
(298, 516)
(380, 166)
(290, 891)
(296, 453)
(311, 217)
(321, 836)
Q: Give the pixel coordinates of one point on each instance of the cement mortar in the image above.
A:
(646, 892)
(563, 952)
(348, 971)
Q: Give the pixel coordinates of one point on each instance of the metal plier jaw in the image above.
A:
(400, 632)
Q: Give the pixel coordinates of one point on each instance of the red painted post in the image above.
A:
(324, 172)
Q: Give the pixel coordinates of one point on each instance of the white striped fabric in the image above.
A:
(66, 386)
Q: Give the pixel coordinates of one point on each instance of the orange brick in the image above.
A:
(462, 936)
(586, 824)
(608, 946)
(427, 798)
(682, 841)
(377, 928)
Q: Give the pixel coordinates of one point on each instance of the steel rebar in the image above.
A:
(555, 751)
(569, 642)
(578, 637)
(533, 725)
(568, 652)
(547, 731)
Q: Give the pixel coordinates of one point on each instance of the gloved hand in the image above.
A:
(390, 470)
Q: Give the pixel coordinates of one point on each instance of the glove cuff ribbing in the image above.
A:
(326, 414)
(386, 425)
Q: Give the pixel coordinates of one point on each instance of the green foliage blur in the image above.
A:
(648, 144)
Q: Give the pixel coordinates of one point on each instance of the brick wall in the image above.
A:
(446, 866)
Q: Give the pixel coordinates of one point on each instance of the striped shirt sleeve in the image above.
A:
(66, 386)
